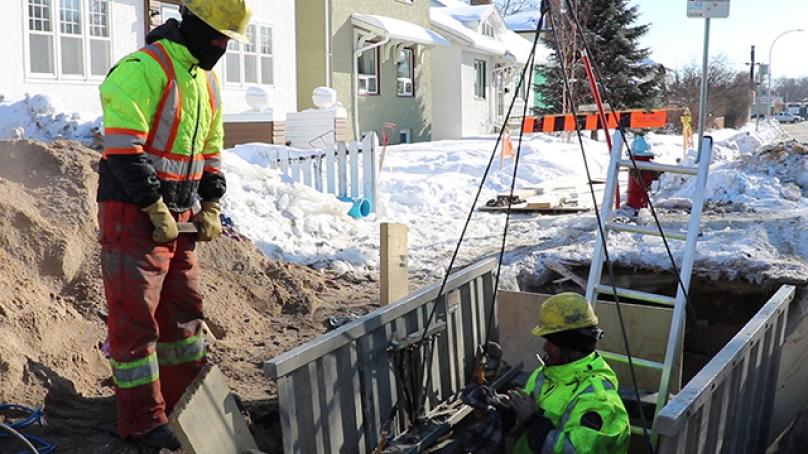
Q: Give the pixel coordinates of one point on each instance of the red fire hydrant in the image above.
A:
(640, 181)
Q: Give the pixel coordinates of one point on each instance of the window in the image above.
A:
(405, 136)
(405, 69)
(40, 36)
(100, 40)
(368, 69)
(479, 79)
(267, 62)
(488, 30)
(251, 62)
(72, 41)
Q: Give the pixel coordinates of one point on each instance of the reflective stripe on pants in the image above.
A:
(153, 299)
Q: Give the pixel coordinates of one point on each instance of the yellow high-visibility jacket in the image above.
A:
(163, 126)
(581, 401)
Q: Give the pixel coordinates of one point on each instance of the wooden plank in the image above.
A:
(565, 273)
(306, 165)
(330, 159)
(207, 419)
(283, 160)
(342, 173)
(368, 386)
(518, 315)
(647, 329)
(295, 170)
(288, 414)
(317, 402)
(318, 174)
(394, 281)
(330, 381)
(305, 411)
(354, 164)
(350, 387)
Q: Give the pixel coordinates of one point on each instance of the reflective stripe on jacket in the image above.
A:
(163, 125)
(565, 394)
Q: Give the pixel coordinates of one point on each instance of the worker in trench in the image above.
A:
(162, 155)
(570, 403)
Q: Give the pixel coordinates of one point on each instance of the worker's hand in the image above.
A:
(522, 404)
(165, 227)
(208, 222)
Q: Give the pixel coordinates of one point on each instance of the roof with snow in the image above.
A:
(398, 30)
(461, 23)
(525, 21)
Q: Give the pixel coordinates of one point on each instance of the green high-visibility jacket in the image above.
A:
(163, 126)
(581, 400)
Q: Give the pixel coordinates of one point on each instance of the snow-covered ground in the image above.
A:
(430, 187)
(753, 225)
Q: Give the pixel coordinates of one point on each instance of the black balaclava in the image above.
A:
(581, 340)
(198, 36)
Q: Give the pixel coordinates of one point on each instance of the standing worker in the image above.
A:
(164, 135)
(571, 403)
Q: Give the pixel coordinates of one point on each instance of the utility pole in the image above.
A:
(752, 66)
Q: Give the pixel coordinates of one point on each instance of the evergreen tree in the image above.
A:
(611, 31)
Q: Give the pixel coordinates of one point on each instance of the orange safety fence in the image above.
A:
(628, 119)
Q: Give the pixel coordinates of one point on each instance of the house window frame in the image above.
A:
(55, 35)
(377, 76)
(487, 29)
(411, 58)
(236, 48)
(480, 79)
(405, 136)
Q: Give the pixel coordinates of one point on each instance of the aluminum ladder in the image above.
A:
(595, 287)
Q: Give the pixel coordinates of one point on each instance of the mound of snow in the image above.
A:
(38, 118)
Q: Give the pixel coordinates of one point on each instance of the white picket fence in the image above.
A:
(347, 169)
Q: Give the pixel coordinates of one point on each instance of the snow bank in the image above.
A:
(36, 117)
(431, 186)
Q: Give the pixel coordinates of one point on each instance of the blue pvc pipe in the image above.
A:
(360, 208)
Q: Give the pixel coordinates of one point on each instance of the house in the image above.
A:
(524, 24)
(474, 80)
(64, 48)
(377, 55)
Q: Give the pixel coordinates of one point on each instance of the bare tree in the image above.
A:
(731, 93)
(508, 7)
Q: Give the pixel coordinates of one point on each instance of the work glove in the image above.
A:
(208, 221)
(521, 404)
(165, 227)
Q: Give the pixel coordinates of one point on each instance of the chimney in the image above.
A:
(480, 2)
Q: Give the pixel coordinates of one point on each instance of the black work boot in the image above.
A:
(160, 438)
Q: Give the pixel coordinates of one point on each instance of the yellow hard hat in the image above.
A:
(228, 17)
(564, 312)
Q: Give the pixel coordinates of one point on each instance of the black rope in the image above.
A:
(601, 230)
(484, 178)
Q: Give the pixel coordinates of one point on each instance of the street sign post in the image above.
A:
(705, 10)
(718, 9)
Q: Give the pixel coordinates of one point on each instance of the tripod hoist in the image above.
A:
(414, 353)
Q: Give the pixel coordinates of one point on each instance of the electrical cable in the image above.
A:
(603, 237)
(19, 436)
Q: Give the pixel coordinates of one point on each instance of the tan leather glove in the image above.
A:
(165, 227)
(207, 221)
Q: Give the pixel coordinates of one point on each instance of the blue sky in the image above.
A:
(676, 40)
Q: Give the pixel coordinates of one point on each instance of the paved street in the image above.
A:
(798, 131)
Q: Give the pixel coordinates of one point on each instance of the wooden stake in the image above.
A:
(394, 262)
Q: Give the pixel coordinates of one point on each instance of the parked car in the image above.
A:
(785, 117)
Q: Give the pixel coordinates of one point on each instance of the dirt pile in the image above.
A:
(53, 314)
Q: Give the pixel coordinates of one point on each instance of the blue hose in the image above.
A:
(34, 417)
